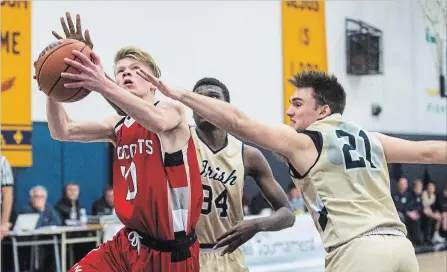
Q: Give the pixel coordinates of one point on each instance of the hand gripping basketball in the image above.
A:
(91, 74)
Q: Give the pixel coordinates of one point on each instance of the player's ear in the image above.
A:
(325, 111)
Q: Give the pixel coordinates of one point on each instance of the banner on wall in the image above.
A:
(296, 249)
(303, 40)
(16, 124)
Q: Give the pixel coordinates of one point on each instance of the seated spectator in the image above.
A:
(296, 201)
(442, 206)
(433, 216)
(104, 205)
(415, 207)
(48, 217)
(38, 204)
(401, 198)
(68, 207)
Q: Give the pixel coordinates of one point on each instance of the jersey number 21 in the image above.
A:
(351, 148)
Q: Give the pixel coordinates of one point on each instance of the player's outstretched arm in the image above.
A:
(279, 138)
(166, 116)
(257, 167)
(62, 128)
(420, 152)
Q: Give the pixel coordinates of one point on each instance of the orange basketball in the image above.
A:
(50, 65)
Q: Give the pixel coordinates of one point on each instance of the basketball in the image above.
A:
(50, 64)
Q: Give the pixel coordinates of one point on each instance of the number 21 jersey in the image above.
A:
(347, 191)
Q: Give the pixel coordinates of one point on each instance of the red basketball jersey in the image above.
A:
(155, 192)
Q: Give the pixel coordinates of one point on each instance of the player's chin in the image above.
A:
(294, 125)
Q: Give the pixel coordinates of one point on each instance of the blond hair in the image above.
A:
(139, 55)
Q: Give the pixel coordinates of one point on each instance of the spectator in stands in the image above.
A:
(6, 195)
(401, 198)
(48, 217)
(442, 205)
(407, 212)
(38, 204)
(68, 207)
(433, 216)
(415, 207)
(104, 205)
(295, 199)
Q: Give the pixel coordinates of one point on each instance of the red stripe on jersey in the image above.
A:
(177, 176)
(141, 187)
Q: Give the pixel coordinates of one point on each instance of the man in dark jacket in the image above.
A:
(68, 207)
(104, 205)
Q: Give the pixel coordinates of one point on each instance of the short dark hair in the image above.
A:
(327, 89)
(215, 82)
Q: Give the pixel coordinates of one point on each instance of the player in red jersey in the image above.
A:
(156, 178)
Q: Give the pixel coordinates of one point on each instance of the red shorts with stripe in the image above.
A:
(121, 255)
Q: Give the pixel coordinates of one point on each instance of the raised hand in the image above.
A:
(91, 74)
(72, 33)
(172, 92)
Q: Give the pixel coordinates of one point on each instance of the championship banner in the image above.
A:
(303, 41)
(15, 118)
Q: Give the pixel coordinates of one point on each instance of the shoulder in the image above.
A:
(168, 103)
(254, 160)
(50, 208)
(113, 120)
(251, 153)
(26, 209)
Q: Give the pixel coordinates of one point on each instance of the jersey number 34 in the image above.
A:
(220, 202)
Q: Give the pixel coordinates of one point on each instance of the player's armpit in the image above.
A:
(92, 131)
(404, 151)
(256, 166)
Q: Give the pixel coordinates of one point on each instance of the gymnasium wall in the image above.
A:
(409, 70)
(241, 44)
(237, 42)
(58, 163)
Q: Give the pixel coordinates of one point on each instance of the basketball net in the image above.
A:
(435, 14)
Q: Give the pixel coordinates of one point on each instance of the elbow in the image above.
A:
(288, 217)
(63, 132)
(58, 134)
(291, 218)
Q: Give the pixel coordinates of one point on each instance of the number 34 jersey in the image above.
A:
(223, 183)
(347, 191)
(155, 192)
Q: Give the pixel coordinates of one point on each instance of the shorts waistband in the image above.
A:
(209, 248)
(181, 242)
(375, 231)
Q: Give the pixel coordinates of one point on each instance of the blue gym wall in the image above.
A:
(57, 163)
